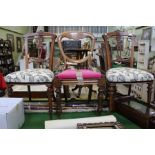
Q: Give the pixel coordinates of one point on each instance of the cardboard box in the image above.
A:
(11, 113)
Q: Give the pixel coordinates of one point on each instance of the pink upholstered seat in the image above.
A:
(86, 74)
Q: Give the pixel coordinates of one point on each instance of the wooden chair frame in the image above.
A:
(89, 82)
(112, 85)
(38, 94)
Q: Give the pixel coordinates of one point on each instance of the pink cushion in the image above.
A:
(86, 73)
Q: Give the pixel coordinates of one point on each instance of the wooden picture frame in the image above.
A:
(11, 38)
(106, 125)
(146, 34)
(19, 44)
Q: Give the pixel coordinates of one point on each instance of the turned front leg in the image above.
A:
(49, 93)
(101, 84)
(9, 90)
(111, 89)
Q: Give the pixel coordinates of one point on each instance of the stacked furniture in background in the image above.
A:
(6, 63)
(6, 57)
(139, 90)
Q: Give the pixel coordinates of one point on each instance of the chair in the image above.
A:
(37, 67)
(119, 48)
(80, 58)
(71, 46)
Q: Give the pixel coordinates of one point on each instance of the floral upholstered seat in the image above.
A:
(119, 47)
(125, 74)
(36, 68)
(30, 76)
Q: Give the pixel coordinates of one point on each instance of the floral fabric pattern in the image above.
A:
(125, 74)
(30, 76)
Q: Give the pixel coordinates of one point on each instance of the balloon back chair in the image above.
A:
(78, 68)
(119, 48)
(38, 51)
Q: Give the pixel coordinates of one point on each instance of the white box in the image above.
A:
(11, 113)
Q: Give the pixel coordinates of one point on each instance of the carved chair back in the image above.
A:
(83, 54)
(119, 48)
(39, 49)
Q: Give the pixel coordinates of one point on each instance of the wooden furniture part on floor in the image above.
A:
(72, 123)
(40, 72)
(79, 75)
(137, 111)
(120, 46)
(106, 125)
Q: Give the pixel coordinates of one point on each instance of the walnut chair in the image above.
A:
(73, 46)
(41, 72)
(82, 73)
(119, 49)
